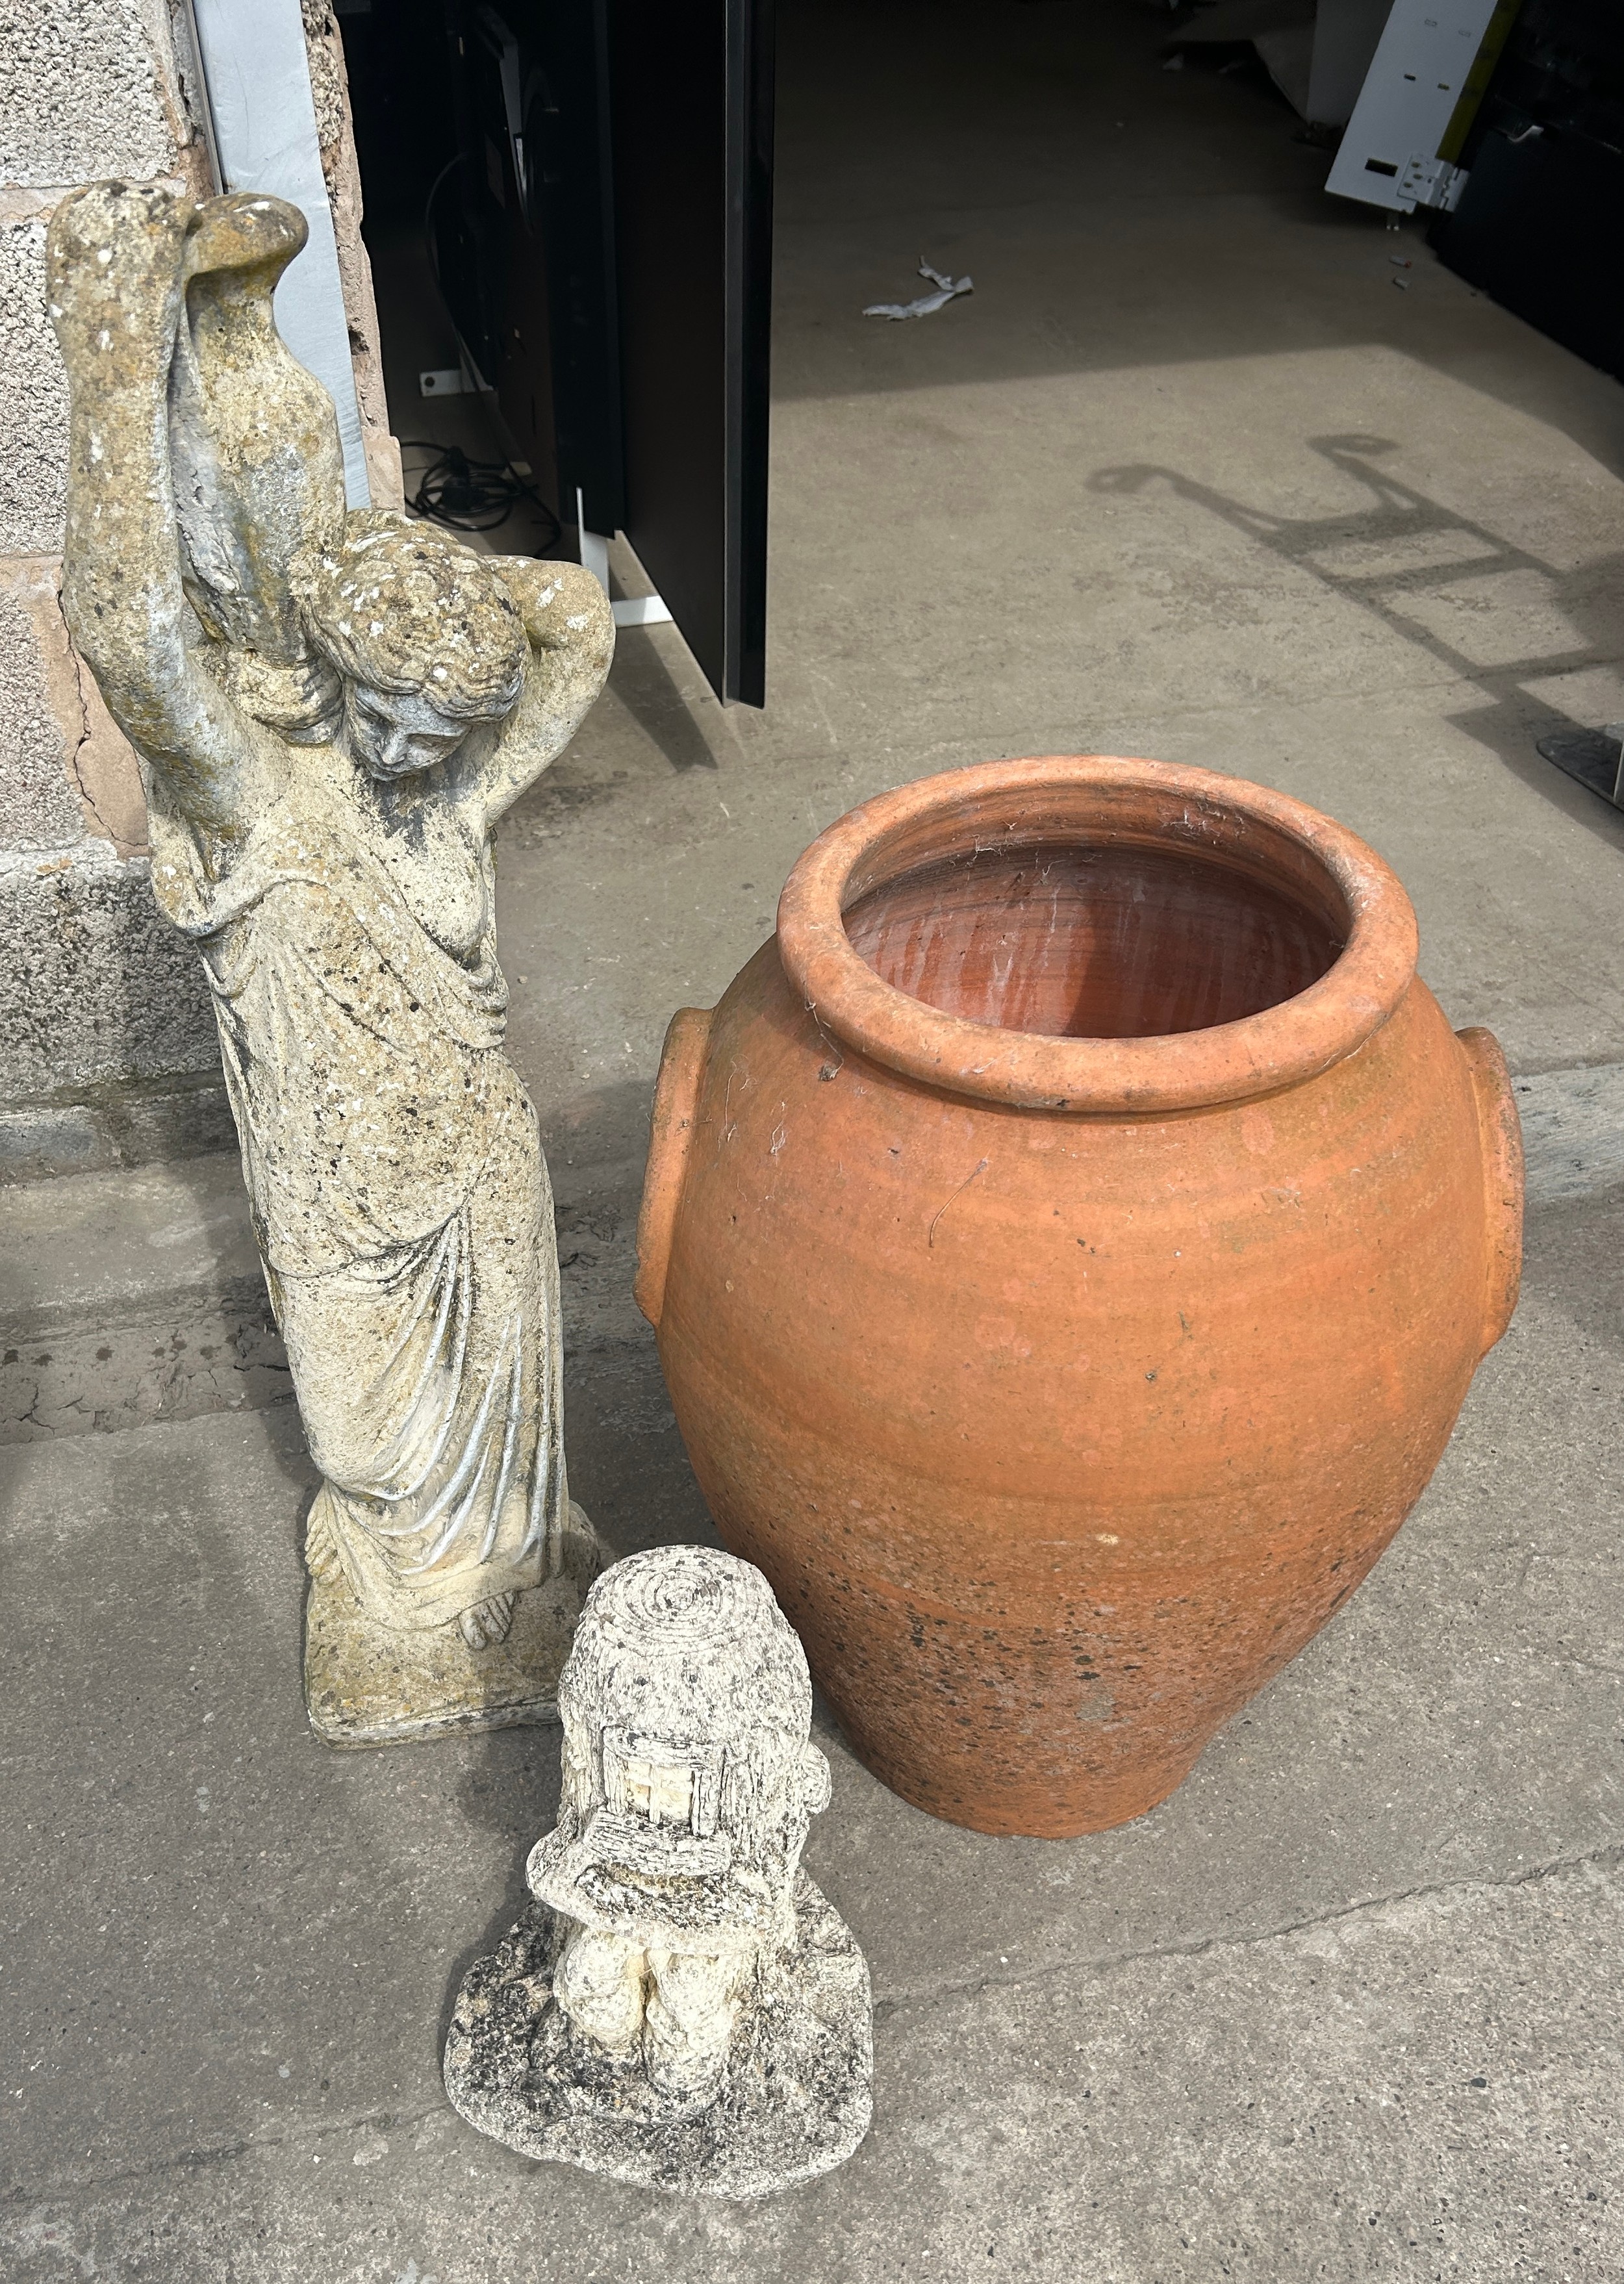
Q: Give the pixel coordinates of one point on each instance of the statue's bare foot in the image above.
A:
(321, 1548)
(488, 1623)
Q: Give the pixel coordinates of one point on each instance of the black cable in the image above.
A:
(472, 495)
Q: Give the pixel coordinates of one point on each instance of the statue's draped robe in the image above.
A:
(401, 1205)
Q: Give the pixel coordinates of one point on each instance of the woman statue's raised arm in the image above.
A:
(116, 269)
(570, 628)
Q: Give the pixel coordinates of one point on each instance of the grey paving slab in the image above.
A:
(1424, 2089)
(1572, 1125)
(1238, 2037)
(132, 1294)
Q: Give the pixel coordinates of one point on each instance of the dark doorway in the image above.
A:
(569, 211)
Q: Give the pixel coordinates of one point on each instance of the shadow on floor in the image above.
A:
(1437, 579)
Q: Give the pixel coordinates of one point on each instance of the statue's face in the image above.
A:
(392, 735)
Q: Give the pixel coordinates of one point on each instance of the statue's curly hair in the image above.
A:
(398, 605)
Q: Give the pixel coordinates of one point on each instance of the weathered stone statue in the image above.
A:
(331, 711)
(680, 2006)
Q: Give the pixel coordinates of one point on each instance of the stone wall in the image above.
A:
(97, 992)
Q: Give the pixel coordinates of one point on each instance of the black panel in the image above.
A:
(598, 176)
(494, 182)
(692, 103)
(470, 213)
(1540, 227)
(1561, 69)
(400, 55)
(571, 192)
(751, 82)
(522, 232)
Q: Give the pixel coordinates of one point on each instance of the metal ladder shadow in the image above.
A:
(1413, 546)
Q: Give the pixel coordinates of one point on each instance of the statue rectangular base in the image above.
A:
(370, 1685)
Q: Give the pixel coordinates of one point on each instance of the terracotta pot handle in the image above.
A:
(1501, 1131)
(676, 1095)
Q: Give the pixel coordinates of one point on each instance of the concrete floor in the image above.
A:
(1187, 476)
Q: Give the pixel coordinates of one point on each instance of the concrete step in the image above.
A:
(119, 1123)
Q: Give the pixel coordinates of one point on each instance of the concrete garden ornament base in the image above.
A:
(331, 710)
(679, 2006)
(1070, 1242)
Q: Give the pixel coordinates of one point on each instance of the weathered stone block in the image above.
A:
(65, 768)
(118, 1122)
(85, 91)
(32, 395)
(94, 983)
(42, 717)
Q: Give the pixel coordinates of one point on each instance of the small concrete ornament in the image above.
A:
(331, 710)
(680, 2006)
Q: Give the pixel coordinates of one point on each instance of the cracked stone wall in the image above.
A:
(96, 990)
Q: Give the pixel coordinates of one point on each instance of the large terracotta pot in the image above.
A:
(1070, 1242)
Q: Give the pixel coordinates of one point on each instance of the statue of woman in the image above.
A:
(330, 712)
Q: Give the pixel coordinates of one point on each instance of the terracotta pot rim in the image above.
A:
(1100, 800)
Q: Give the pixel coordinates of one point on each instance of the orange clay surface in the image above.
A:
(1070, 1240)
